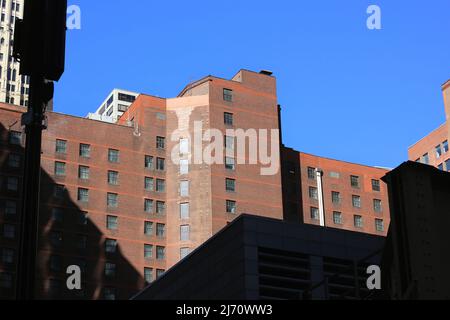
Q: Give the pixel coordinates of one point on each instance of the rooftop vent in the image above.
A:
(266, 72)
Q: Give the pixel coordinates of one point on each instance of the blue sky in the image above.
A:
(347, 92)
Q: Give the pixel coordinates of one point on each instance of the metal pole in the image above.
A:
(34, 124)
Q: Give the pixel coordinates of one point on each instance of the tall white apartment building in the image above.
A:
(14, 89)
(114, 106)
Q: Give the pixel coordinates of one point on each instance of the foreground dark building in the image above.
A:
(416, 260)
(262, 258)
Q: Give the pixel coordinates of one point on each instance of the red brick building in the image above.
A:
(127, 201)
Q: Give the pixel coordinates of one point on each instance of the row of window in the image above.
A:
(357, 219)
(355, 181)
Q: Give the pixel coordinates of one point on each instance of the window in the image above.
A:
(313, 193)
(441, 167)
(61, 146)
(379, 225)
(377, 205)
(8, 256)
(426, 158)
(149, 163)
(12, 184)
(335, 175)
(358, 221)
(184, 188)
(83, 173)
(81, 242)
(60, 169)
(113, 156)
(160, 143)
(311, 173)
(185, 233)
(55, 263)
(14, 160)
(336, 197)
(160, 273)
(438, 150)
(314, 213)
(126, 97)
(148, 251)
(184, 146)
(160, 185)
(10, 207)
(160, 207)
(148, 228)
(83, 195)
(56, 238)
(9, 231)
(149, 184)
(113, 178)
(356, 201)
(447, 165)
(230, 163)
(184, 166)
(229, 143)
(112, 200)
(231, 206)
(6, 280)
(160, 164)
(109, 294)
(160, 230)
(15, 138)
(228, 118)
(83, 218)
(85, 150)
(228, 95)
(184, 211)
(354, 181)
(110, 269)
(230, 185)
(148, 275)
(376, 185)
(148, 205)
(54, 287)
(57, 215)
(184, 252)
(337, 218)
(445, 146)
(160, 253)
(58, 191)
(112, 222)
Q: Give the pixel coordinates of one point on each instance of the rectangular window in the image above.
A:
(376, 185)
(149, 184)
(426, 159)
(113, 178)
(83, 195)
(184, 252)
(160, 253)
(83, 218)
(160, 273)
(160, 185)
(15, 138)
(231, 206)
(313, 193)
(228, 119)
(337, 218)
(81, 241)
(311, 173)
(148, 228)
(83, 173)
(12, 184)
(6, 280)
(9, 231)
(85, 150)
(184, 166)
(148, 251)
(8, 256)
(14, 160)
(184, 146)
(377, 206)
(185, 233)
(148, 275)
(113, 156)
(230, 185)
(160, 143)
(160, 230)
(229, 143)
(184, 211)
(149, 163)
(441, 167)
(336, 197)
(109, 294)
(230, 163)
(228, 95)
(10, 207)
(160, 207)
(354, 181)
(148, 205)
(160, 164)
(356, 201)
(57, 215)
(56, 238)
(112, 200)
(112, 222)
(438, 150)
(110, 269)
(447, 165)
(60, 169)
(61, 146)
(184, 189)
(55, 263)
(111, 245)
(445, 146)
(314, 213)
(379, 225)
(358, 221)
(59, 191)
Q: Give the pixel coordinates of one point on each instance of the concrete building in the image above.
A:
(257, 258)
(332, 193)
(433, 149)
(114, 106)
(14, 88)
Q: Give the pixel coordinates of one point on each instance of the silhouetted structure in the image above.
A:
(263, 258)
(416, 260)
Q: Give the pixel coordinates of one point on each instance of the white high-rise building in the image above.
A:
(114, 106)
(14, 89)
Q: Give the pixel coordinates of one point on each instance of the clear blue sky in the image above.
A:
(347, 92)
